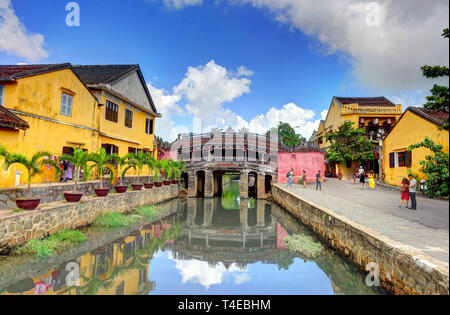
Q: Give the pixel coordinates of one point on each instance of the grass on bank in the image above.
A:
(53, 244)
(303, 244)
(117, 219)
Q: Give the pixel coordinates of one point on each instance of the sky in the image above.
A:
(240, 63)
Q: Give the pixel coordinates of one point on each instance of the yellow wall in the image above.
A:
(411, 129)
(40, 95)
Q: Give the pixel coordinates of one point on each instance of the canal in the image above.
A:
(220, 245)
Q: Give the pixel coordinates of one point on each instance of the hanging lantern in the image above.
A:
(375, 121)
(389, 121)
(361, 120)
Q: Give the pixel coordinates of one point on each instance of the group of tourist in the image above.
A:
(362, 174)
(319, 179)
(408, 191)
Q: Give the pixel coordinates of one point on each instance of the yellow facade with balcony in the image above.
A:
(376, 115)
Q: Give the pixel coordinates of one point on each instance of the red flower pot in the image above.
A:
(148, 185)
(73, 196)
(28, 203)
(101, 192)
(175, 181)
(167, 182)
(158, 184)
(121, 189)
(136, 186)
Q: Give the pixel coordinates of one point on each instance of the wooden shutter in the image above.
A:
(408, 158)
(391, 160)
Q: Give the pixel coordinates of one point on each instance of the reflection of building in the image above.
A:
(376, 115)
(214, 234)
(119, 268)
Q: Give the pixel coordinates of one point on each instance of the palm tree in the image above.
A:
(124, 163)
(151, 164)
(33, 165)
(101, 160)
(167, 168)
(177, 166)
(3, 151)
(139, 160)
(157, 169)
(79, 159)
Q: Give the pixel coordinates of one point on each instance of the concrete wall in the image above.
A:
(402, 271)
(54, 191)
(311, 162)
(18, 227)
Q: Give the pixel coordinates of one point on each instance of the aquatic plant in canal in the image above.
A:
(303, 244)
(114, 219)
(51, 245)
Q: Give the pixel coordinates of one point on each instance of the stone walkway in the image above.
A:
(425, 230)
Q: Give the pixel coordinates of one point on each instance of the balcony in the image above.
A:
(356, 109)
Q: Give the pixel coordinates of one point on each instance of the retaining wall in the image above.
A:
(401, 270)
(18, 227)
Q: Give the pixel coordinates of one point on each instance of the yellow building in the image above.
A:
(60, 106)
(127, 111)
(411, 128)
(376, 115)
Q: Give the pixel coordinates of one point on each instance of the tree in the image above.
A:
(33, 165)
(151, 164)
(435, 168)
(101, 160)
(139, 160)
(288, 136)
(123, 164)
(79, 159)
(349, 144)
(439, 98)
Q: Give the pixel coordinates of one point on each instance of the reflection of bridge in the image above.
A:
(209, 156)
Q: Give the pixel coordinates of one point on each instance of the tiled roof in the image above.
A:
(435, 116)
(13, 72)
(102, 74)
(10, 120)
(366, 101)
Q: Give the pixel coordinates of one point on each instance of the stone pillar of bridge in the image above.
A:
(191, 211)
(243, 213)
(260, 212)
(260, 186)
(209, 184)
(244, 185)
(208, 206)
(192, 184)
(217, 184)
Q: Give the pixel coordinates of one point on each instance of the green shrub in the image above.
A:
(303, 244)
(147, 211)
(51, 245)
(114, 219)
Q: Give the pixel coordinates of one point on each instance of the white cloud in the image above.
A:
(180, 4)
(387, 56)
(206, 88)
(201, 272)
(15, 39)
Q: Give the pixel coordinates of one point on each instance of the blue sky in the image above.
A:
(294, 55)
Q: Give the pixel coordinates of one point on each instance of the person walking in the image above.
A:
(318, 180)
(412, 191)
(304, 178)
(362, 177)
(290, 176)
(371, 180)
(405, 192)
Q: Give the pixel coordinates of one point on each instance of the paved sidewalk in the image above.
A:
(426, 229)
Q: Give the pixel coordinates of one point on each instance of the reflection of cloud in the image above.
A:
(241, 278)
(201, 272)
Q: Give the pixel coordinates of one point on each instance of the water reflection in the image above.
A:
(205, 247)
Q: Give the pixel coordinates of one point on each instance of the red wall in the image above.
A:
(311, 162)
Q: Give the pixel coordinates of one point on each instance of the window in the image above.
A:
(66, 104)
(110, 148)
(400, 159)
(2, 94)
(112, 111)
(128, 118)
(148, 126)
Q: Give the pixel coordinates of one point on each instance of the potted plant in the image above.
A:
(33, 167)
(151, 166)
(177, 166)
(78, 159)
(123, 164)
(101, 160)
(157, 169)
(167, 168)
(139, 160)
